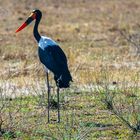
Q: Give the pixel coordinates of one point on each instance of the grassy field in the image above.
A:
(101, 40)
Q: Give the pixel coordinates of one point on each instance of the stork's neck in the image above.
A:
(36, 33)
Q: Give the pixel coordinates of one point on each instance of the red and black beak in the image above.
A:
(27, 22)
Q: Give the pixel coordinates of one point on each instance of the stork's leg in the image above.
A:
(58, 106)
(48, 86)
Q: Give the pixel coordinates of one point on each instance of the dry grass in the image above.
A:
(89, 33)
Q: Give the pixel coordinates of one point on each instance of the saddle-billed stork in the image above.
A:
(51, 56)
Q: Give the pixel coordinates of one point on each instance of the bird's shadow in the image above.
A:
(94, 124)
(7, 133)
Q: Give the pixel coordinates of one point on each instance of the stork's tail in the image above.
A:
(63, 80)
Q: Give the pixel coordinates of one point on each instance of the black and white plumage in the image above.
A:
(51, 56)
(54, 59)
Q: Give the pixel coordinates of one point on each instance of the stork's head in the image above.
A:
(35, 15)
